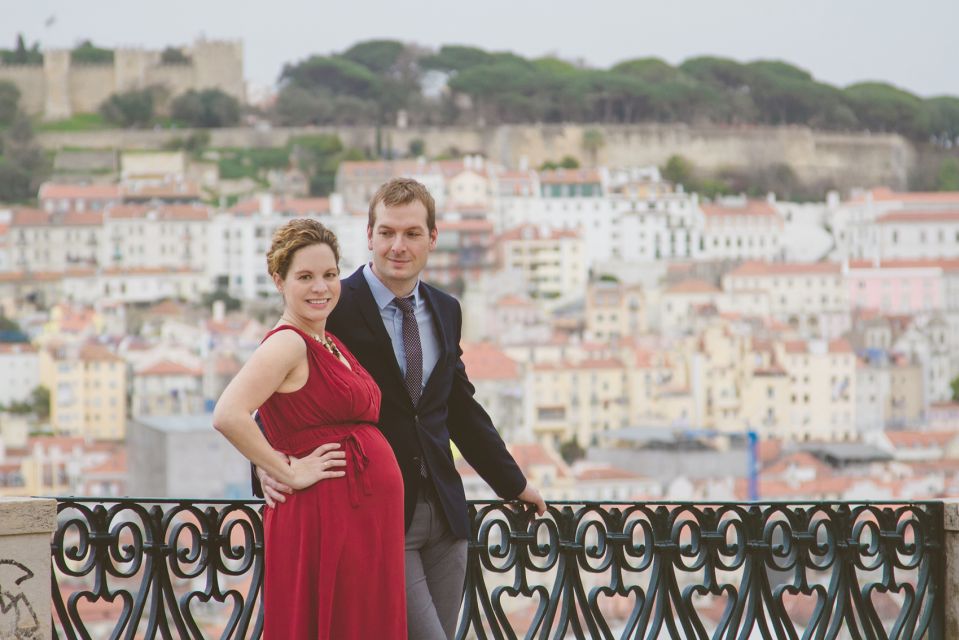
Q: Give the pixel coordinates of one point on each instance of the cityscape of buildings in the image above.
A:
(629, 339)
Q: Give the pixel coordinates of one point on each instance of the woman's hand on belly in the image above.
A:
(324, 463)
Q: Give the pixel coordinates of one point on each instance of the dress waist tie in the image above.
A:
(356, 476)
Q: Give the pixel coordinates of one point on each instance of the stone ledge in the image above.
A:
(27, 515)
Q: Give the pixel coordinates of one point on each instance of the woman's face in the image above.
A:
(311, 287)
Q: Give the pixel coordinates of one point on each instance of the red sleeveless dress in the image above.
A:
(333, 564)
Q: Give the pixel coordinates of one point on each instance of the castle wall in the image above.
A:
(59, 89)
(817, 158)
(177, 78)
(30, 80)
(90, 85)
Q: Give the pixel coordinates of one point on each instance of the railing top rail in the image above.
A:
(668, 503)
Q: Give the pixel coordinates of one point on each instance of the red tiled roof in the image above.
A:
(169, 368)
(172, 191)
(606, 472)
(529, 454)
(796, 346)
(82, 218)
(97, 352)
(569, 176)
(116, 464)
(919, 217)
(840, 345)
(914, 439)
(798, 459)
(693, 286)
(885, 194)
(486, 362)
(183, 212)
(750, 208)
(944, 264)
(754, 268)
(16, 348)
(589, 363)
(27, 217)
(54, 190)
(513, 300)
(295, 206)
(128, 211)
(166, 308)
(533, 232)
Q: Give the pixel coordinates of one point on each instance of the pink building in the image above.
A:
(898, 287)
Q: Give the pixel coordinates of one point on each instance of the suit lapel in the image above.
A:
(366, 305)
(438, 372)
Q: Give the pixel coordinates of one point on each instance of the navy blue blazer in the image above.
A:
(446, 409)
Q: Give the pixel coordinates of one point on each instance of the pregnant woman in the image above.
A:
(334, 548)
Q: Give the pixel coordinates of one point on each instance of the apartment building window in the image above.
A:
(895, 236)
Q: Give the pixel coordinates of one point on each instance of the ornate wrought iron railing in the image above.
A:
(192, 569)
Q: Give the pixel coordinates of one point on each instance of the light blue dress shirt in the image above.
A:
(393, 321)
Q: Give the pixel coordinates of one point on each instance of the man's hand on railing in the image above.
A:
(532, 496)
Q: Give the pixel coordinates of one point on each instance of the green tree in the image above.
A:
(955, 389)
(9, 102)
(135, 108)
(650, 70)
(883, 107)
(944, 118)
(14, 182)
(417, 147)
(319, 157)
(948, 176)
(174, 55)
(453, 58)
(208, 108)
(569, 162)
(23, 165)
(679, 170)
(88, 53)
(21, 54)
(336, 75)
(592, 142)
(571, 451)
(40, 402)
(379, 56)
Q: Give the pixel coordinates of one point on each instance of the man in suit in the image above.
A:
(406, 333)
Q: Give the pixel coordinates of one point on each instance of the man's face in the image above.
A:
(400, 242)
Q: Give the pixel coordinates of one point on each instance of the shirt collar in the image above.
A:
(381, 293)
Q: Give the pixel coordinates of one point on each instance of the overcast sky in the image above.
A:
(913, 45)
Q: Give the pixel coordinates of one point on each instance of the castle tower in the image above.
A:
(218, 64)
(56, 70)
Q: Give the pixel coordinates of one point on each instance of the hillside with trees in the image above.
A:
(372, 82)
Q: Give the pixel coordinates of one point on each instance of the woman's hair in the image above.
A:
(293, 236)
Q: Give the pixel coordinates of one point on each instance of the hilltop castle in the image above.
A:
(61, 88)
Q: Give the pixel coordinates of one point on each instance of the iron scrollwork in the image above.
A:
(162, 568)
(780, 571)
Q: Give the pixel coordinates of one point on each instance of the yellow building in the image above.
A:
(822, 396)
(579, 400)
(615, 311)
(87, 391)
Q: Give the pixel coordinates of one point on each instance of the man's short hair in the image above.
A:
(400, 191)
